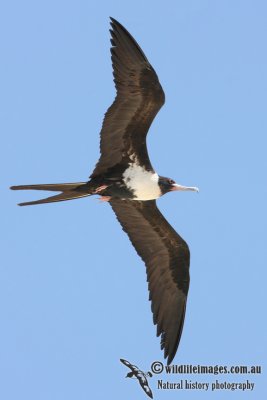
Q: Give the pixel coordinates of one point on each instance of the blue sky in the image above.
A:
(73, 292)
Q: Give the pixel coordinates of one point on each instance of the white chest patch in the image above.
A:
(143, 183)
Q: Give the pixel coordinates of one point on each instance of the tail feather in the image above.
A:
(68, 191)
(57, 187)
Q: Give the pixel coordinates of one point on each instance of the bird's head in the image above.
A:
(129, 375)
(169, 185)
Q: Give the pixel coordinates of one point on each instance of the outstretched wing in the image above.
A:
(129, 365)
(144, 384)
(139, 98)
(166, 256)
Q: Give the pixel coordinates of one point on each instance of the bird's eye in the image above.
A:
(171, 181)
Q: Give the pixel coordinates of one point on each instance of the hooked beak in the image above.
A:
(175, 187)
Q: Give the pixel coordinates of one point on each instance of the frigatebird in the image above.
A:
(125, 178)
(140, 375)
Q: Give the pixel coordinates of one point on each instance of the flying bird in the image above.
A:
(140, 375)
(125, 178)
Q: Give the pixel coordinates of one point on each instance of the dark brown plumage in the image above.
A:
(125, 177)
(166, 256)
(139, 98)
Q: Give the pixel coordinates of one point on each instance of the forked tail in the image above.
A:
(68, 191)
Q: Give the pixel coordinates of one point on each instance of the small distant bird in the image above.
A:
(140, 375)
(125, 178)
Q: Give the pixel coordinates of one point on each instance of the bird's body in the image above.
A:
(125, 178)
(140, 376)
(135, 183)
(144, 185)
